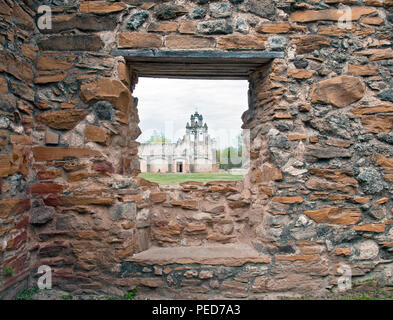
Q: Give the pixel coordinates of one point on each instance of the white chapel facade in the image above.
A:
(195, 152)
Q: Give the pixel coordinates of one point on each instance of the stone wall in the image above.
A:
(17, 55)
(319, 190)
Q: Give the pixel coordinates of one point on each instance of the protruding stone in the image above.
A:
(41, 215)
(215, 27)
(353, 14)
(242, 42)
(77, 42)
(53, 153)
(61, 119)
(362, 70)
(340, 91)
(169, 26)
(51, 137)
(102, 7)
(378, 227)
(97, 134)
(169, 11)
(309, 43)
(110, 90)
(13, 206)
(137, 19)
(188, 42)
(158, 197)
(335, 215)
(367, 250)
(300, 73)
(139, 40)
(370, 180)
(288, 200)
(15, 66)
(220, 10)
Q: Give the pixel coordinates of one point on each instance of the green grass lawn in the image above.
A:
(176, 178)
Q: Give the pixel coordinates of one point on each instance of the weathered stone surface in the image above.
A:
(103, 166)
(46, 187)
(375, 124)
(309, 43)
(15, 66)
(52, 153)
(331, 14)
(188, 42)
(376, 54)
(242, 42)
(158, 197)
(169, 11)
(137, 20)
(366, 250)
(292, 281)
(292, 258)
(375, 21)
(52, 61)
(288, 200)
(124, 211)
(379, 227)
(300, 73)
(214, 27)
(83, 22)
(101, 7)
(22, 90)
(370, 180)
(321, 184)
(220, 10)
(187, 27)
(41, 215)
(319, 152)
(262, 8)
(362, 70)
(48, 174)
(79, 42)
(277, 27)
(7, 102)
(113, 91)
(265, 175)
(13, 207)
(340, 91)
(71, 201)
(186, 204)
(61, 119)
(104, 110)
(198, 13)
(226, 255)
(386, 95)
(97, 134)
(139, 40)
(386, 163)
(21, 18)
(335, 215)
(51, 137)
(77, 176)
(169, 26)
(3, 85)
(57, 77)
(342, 251)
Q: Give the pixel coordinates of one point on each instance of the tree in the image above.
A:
(156, 137)
(229, 158)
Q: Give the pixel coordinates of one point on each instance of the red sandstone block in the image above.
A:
(46, 188)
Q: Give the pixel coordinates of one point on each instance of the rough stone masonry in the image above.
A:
(318, 195)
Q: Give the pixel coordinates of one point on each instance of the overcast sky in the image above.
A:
(165, 105)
